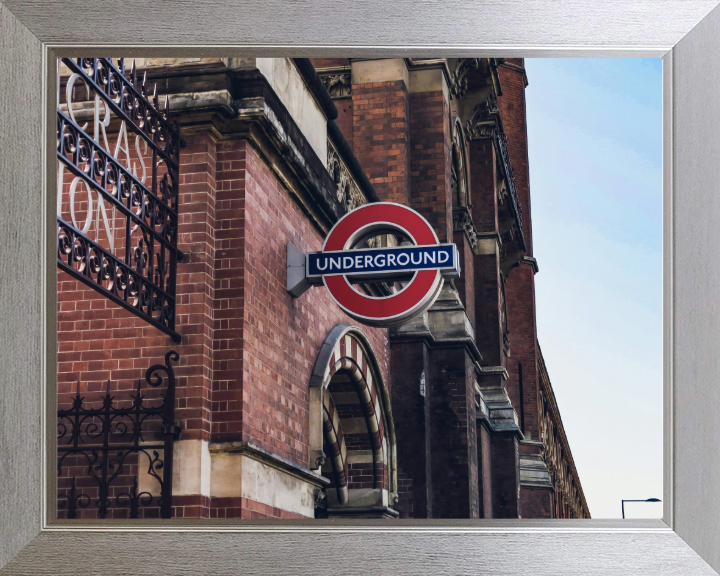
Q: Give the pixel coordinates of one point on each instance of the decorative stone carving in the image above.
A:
(348, 192)
(483, 120)
(339, 85)
(504, 317)
(462, 221)
(460, 75)
(319, 459)
(393, 498)
(319, 496)
(459, 176)
(506, 342)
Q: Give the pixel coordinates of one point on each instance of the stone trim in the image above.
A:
(316, 86)
(239, 102)
(501, 414)
(531, 262)
(328, 360)
(270, 459)
(372, 70)
(501, 370)
(534, 473)
(445, 325)
(363, 512)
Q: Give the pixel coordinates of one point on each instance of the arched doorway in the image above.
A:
(352, 436)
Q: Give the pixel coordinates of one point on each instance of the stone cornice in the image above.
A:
(534, 473)
(255, 113)
(530, 261)
(229, 100)
(496, 410)
(444, 325)
(429, 64)
(268, 458)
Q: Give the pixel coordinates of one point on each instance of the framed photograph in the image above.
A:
(215, 266)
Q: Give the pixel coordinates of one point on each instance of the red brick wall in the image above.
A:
(345, 118)
(520, 294)
(505, 476)
(453, 434)
(512, 108)
(430, 160)
(466, 283)
(483, 178)
(98, 340)
(520, 286)
(381, 136)
(249, 509)
(485, 472)
(410, 415)
(281, 335)
(248, 347)
(537, 503)
(487, 309)
(329, 62)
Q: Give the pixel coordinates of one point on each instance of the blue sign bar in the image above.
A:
(384, 262)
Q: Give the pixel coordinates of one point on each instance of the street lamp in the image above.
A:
(648, 500)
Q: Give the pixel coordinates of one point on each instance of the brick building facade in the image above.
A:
(287, 408)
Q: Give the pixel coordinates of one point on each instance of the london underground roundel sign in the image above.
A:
(422, 265)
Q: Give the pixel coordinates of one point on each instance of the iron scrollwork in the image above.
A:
(142, 279)
(101, 447)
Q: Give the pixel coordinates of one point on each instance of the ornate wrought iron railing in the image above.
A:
(142, 280)
(102, 450)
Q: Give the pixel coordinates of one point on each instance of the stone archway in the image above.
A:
(352, 436)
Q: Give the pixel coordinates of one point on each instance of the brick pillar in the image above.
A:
(430, 160)
(466, 283)
(520, 294)
(195, 291)
(195, 283)
(505, 476)
(345, 118)
(485, 488)
(537, 502)
(453, 439)
(410, 409)
(488, 288)
(380, 137)
(229, 286)
(520, 286)
(522, 367)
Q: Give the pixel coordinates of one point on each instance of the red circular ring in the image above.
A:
(405, 302)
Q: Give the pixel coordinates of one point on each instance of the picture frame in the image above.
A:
(686, 34)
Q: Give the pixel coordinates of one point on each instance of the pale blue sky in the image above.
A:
(595, 151)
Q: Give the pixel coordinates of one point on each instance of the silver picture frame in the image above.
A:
(685, 33)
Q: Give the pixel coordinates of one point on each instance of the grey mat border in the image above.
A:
(29, 29)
